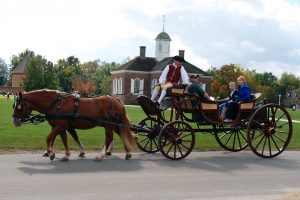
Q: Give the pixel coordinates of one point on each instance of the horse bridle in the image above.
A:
(20, 101)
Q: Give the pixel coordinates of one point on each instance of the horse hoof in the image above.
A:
(127, 157)
(108, 153)
(46, 154)
(81, 154)
(64, 159)
(52, 156)
(97, 158)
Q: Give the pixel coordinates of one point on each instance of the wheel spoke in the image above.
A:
(184, 146)
(263, 150)
(143, 140)
(238, 137)
(155, 143)
(275, 143)
(180, 151)
(282, 124)
(233, 144)
(222, 136)
(269, 143)
(186, 140)
(228, 139)
(165, 142)
(175, 151)
(260, 126)
(170, 148)
(151, 144)
(257, 136)
(186, 135)
(259, 142)
(279, 138)
(281, 132)
(279, 118)
(146, 144)
(244, 137)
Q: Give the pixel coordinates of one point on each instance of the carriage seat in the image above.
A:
(246, 108)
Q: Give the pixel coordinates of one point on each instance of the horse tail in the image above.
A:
(128, 137)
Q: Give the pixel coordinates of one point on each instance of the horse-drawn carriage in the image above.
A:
(265, 128)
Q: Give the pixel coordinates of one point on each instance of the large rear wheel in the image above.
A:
(176, 140)
(269, 130)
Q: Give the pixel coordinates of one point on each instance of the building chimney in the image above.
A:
(181, 53)
(142, 51)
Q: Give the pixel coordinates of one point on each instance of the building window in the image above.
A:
(117, 86)
(160, 47)
(137, 86)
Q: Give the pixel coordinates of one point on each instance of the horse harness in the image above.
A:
(109, 118)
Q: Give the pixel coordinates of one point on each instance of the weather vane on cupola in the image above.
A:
(164, 19)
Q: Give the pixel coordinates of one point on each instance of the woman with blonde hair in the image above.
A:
(244, 95)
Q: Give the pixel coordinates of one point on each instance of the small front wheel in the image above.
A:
(148, 142)
(176, 140)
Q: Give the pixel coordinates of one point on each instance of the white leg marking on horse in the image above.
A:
(110, 147)
(82, 150)
(102, 153)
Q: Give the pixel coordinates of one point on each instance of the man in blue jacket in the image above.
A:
(244, 95)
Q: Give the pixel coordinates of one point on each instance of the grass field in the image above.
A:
(32, 137)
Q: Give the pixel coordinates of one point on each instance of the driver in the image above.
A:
(169, 77)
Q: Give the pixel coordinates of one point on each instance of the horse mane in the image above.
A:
(47, 91)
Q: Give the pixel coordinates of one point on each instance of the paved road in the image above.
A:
(206, 175)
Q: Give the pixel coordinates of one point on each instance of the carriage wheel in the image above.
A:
(176, 140)
(269, 131)
(232, 139)
(148, 142)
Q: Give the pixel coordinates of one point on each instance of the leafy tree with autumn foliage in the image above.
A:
(221, 77)
(67, 69)
(85, 89)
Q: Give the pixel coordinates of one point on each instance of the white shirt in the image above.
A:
(184, 75)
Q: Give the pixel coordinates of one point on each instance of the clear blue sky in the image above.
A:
(257, 34)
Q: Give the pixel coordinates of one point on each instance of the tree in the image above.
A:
(85, 89)
(266, 79)
(50, 76)
(34, 74)
(3, 72)
(40, 74)
(67, 69)
(221, 77)
(17, 59)
(106, 85)
(287, 83)
(102, 73)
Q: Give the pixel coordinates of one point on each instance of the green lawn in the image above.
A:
(32, 137)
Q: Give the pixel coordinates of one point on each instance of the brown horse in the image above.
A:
(63, 114)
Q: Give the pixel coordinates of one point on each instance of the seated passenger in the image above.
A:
(170, 76)
(195, 87)
(244, 95)
(232, 96)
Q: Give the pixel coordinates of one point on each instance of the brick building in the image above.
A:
(140, 75)
(17, 76)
